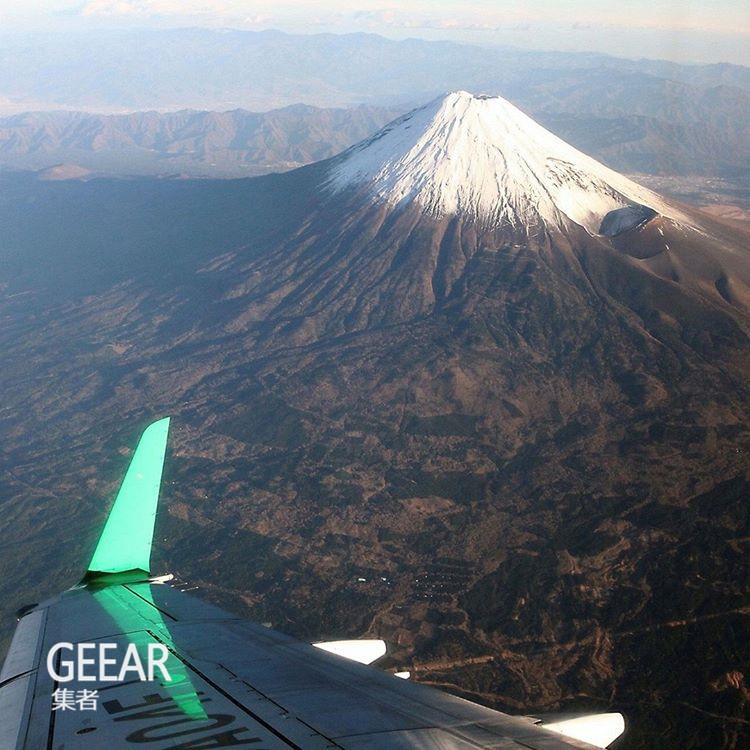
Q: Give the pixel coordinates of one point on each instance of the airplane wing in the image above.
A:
(124, 660)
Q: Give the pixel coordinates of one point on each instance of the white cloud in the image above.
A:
(166, 8)
(474, 15)
(115, 8)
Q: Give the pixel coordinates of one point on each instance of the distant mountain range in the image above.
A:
(226, 69)
(645, 116)
(199, 144)
(241, 144)
(461, 387)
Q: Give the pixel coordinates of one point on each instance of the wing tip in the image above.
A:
(124, 545)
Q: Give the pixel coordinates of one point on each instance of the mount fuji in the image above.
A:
(483, 158)
(461, 387)
(461, 198)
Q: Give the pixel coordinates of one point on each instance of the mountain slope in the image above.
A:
(529, 437)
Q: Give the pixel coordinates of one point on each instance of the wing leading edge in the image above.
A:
(231, 683)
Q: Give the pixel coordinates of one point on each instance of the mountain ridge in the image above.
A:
(237, 143)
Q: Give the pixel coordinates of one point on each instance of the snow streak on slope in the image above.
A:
(484, 158)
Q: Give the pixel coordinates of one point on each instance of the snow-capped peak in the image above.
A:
(482, 157)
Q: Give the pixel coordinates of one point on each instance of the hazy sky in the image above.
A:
(685, 30)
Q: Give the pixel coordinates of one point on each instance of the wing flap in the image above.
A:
(23, 654)
(15, 704)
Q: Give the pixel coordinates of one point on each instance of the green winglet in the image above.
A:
(125, 543)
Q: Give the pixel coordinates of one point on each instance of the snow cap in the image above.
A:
(481, 157)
